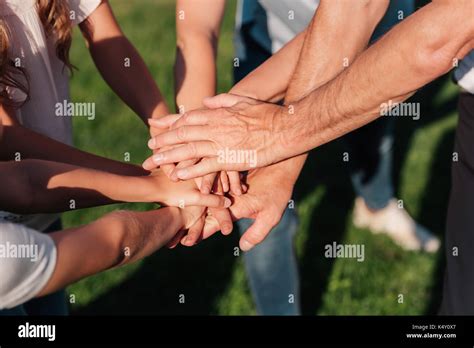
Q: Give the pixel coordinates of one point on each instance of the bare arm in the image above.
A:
(198, 25)
(18, 140)
(116, 239)
(412, 54)
(36, 186)
(121, 65)
(338, 32)
(334, 22)
(262, 83)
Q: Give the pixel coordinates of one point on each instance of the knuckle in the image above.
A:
(256, 237)
(192, 149)
(181, 133)
(273, 220)
(186, 118)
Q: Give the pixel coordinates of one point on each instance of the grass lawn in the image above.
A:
(209, 275)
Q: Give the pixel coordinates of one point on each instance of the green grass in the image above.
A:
(209, 275)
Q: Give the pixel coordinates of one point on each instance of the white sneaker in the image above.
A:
(397, 224)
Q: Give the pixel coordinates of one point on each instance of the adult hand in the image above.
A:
(230, 180)
(240, 134)
(264, 202)
(168, 168)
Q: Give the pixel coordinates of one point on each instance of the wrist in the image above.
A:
(285, 131)
(180, 217)
(160, 110)
(298, 127)
(140, 189)
(118, 226)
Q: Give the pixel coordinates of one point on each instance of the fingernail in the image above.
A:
(227, 202)
(245, 245)
(226, 229)
(187, 241)
(182, 173)
(151, 143)
(158, 157)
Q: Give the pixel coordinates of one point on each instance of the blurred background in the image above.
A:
(209, 275)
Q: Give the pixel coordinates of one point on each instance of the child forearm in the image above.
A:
(37, 186)
(21, 143)
(116, 239)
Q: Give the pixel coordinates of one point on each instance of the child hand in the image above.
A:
(182, 194)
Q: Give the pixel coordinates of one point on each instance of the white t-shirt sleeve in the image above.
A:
(27, 262)
(464, 73)
(82, 9)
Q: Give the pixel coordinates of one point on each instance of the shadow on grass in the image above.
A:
(201, 274)
(327, 221)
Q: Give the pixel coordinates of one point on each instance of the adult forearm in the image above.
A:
(336, 35)
(415, 52)
(338, 27)
(263, 83)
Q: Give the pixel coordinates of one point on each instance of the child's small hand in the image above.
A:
(192, 223)
(181, 194)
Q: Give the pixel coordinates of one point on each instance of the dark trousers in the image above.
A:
(458, 293)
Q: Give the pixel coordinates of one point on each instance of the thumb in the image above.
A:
(224, 100)
(256, 233)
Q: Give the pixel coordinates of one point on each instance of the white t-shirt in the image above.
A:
(286, 18)
(48, 79)
(27, 262)
(464, 73)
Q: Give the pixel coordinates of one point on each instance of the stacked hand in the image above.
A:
(197, 138)
(235, 125)
(217, 183)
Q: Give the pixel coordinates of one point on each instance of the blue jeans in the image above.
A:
(272, 268)
(52, 304)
